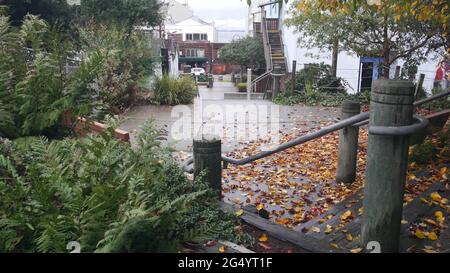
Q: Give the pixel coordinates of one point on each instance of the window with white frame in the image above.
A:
(195, 52)
(196, 37)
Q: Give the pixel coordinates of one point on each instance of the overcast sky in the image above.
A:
(229, 14)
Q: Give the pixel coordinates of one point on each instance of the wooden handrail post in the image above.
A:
(208, 158)
(348, 145)
(387, 161)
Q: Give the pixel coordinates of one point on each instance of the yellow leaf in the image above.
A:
(315, 229)
(259, 207)
(436, 197)
(404, 222)
(356, 250)
(349, 237)
(419, 234)
(239, 212)
(328, 229)
(222, 249)
(439, 216)
(432, 236)
(426, 250)
(443, 170)
(263, 238)
(334, 245)
(345, 215)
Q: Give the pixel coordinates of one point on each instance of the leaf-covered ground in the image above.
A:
(297, 185)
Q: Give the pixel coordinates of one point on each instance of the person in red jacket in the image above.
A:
(442, 79)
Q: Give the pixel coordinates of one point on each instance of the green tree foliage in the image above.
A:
(104, 194)
(247, 52)
(34, 87)
(53, 11)
(122, 12)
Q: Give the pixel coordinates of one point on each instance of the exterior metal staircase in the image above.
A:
(268, 30)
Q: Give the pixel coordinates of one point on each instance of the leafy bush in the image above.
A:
(172, 91)
(104, 194)
(130, 62)
(312, 97)
(318, 75)
(34, 86)
(421, 153)
(441, 104)
(242, 87)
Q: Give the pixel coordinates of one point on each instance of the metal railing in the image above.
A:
(358, 120)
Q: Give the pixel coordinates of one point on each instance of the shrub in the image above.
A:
(172, 91)
(421, 153)
(34, 88)
(104, 194)
(318, 75)
(242, 87)
(129, 64)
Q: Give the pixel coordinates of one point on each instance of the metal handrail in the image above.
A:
(352, 121)
(416, 104)
(358, 119)
(324, 131)
(268, 55)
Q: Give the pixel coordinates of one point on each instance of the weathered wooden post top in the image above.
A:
(348, 144)
(390, 118)
(208, 158)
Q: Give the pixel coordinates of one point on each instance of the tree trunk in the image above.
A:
(384, 67)
(334, 58)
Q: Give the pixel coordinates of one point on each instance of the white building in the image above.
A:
(348, 64)
(194, 29)
(177, 12)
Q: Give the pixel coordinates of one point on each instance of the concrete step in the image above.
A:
(243, 96)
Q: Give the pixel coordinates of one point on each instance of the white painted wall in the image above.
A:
(194, 25)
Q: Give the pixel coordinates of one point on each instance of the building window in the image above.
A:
(195, 52)
(196, 37)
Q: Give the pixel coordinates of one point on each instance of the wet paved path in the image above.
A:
(290, 117)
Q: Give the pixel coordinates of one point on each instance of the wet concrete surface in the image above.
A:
(215, 109)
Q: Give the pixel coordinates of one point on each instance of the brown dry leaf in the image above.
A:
(356, 250)
(263, 238)
(259, 207)
(334, 245)
(222, 249)
(443, 171)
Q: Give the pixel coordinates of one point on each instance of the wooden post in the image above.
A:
(276, 85)
(348, 145)
(418, 92)
(387, 160)
(397, 72)
(208, 157)
(294, 79)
